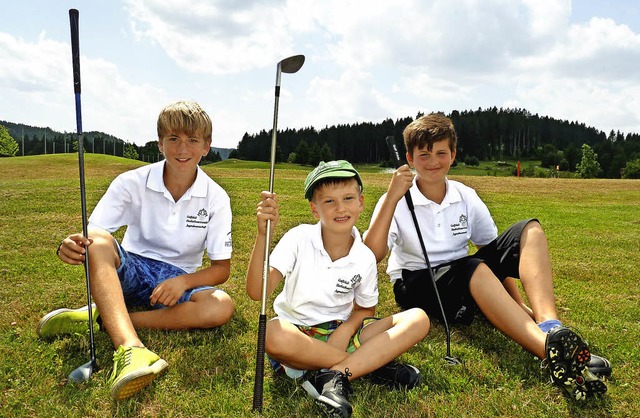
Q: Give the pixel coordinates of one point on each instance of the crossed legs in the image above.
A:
(382, 341)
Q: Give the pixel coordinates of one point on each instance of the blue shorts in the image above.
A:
(140, 275)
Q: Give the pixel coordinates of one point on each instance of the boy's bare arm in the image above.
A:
(267, 210)
(342, 335)
(377, 235)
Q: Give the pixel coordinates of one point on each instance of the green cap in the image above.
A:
(332, 169)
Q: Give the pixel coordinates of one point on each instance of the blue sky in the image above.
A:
(366, 60)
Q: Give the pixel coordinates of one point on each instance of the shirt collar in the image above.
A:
(156, 183)
(316, 239)
(452, 195)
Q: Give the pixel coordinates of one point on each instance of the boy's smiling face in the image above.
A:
(183, 152)
(338, 205)
(432, 166)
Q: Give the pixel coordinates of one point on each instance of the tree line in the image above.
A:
(492, 134)
(19, 139)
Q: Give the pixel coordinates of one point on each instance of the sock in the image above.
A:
(549, 324)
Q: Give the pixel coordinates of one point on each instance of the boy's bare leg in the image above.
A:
(504, 312)
(382, 341)
(535, 272)
(107, 292)
(512, 288)
(290, 346)
(206, 309)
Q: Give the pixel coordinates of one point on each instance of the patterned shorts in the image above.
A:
(322, 332)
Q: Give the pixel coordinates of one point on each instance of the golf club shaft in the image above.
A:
(75, 57)
(262, 322)
(395, 156)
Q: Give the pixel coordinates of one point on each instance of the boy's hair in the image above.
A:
(428, 129)
(186, 117)
(332, 172)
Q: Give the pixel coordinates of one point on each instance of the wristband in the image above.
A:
(58, 250)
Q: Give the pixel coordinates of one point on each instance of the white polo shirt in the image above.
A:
(162, 229)
(316, 289)
(446, 228)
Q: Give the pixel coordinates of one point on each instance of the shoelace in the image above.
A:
(345, 380)
(121, 359)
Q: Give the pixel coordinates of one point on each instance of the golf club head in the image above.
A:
(82, 373)
(292, 64)
(452, 361)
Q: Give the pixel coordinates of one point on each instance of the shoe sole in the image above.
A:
(329, 407)
(45, 319)
(568, 357)
(137, 380)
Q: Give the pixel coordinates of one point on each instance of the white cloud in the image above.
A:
(37, 77)
(215, 37)
(366, 61)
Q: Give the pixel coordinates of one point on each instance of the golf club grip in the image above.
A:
(75, 49)
(393, 150)
(259, 378)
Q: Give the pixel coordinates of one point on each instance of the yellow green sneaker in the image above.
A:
(67, 321)
(133, 369)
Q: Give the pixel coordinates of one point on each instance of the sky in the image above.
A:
(366, 61)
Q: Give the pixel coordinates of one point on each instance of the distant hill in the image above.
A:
(224, 152)
(35, 137)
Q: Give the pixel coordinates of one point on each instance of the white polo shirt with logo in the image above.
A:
(316, 289)
(162, 229)
(446, 228)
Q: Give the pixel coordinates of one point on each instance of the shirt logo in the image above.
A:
(198, 221)
(345, 286)
(459, 228)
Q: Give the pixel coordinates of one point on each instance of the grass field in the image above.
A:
(594, 236)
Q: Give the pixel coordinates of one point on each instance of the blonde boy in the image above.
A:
(173, 211)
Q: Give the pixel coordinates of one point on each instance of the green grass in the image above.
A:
(592, 227)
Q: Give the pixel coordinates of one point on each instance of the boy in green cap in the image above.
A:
(325, 313)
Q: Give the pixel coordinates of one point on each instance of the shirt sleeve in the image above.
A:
(219, 243)
(284, 255)
(111, 211)
(483, 227)
(366, 293)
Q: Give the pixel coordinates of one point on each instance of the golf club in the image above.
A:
(288, 65)
(395, 156)
(84, 372)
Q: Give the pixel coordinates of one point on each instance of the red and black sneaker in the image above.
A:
(567, 358)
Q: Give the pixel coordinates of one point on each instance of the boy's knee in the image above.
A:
(533, 227)
(102, 241)
(420, 321)
(277, 343)
(220, 309)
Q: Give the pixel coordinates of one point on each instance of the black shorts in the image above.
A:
(415, 289)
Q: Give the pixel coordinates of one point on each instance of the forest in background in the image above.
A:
(483, 135)
(493, 134)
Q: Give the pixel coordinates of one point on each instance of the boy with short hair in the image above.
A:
(173, 211)
(325, 311)
(450, 215)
